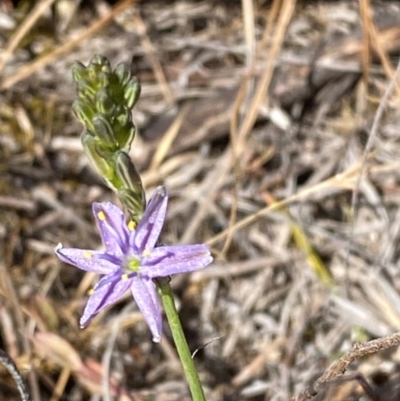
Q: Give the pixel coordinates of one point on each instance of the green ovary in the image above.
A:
(133, 265)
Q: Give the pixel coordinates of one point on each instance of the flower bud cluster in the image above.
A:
(105, 101)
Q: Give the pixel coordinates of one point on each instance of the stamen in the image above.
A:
(131, 225)
(87, 254)
(124, 277)
(146, 252)
(101, 215)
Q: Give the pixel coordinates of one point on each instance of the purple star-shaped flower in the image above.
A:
(132, 260)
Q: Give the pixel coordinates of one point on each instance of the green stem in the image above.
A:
(180, 340)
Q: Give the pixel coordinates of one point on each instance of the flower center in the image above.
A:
(133, 265)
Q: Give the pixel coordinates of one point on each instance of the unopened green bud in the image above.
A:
(124, 135)
(104, 132)
(132, 93)
(124, 118)
(78, 71)
(134, 206)
(86, 90)
(130, 180)
(84, 113)
(98, 63)
(101, 164)
(102, 79)
(126, 171)
(123, 74)
(104, 102)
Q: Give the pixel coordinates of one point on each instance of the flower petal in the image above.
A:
(107, 291)
(146, 234)
(145, 294)
(112, 227)
(90, 261)
(167, 260)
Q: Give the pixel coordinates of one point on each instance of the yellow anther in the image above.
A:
(87, 254)
(131, 225)
(101, 215)
(146, 252)
(91, 291)
(124, 277)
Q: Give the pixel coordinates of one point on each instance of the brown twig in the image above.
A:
(340, 366)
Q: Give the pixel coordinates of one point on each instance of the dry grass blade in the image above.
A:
(368, 147)
(155, 62)
(166, 142)
(27, 70)
(303, 243)
(6, 361)
(12, 296)
(23, 29)
(62, 381)
(286, 13)
(344, 181)
(365, 11)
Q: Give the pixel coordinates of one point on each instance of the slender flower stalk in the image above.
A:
(180, 340)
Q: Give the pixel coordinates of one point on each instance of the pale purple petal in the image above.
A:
(167, 260)
(124, 245)
(146, 234)
(90, 261)
(106, 292)
(111, 224)
(145, 294)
